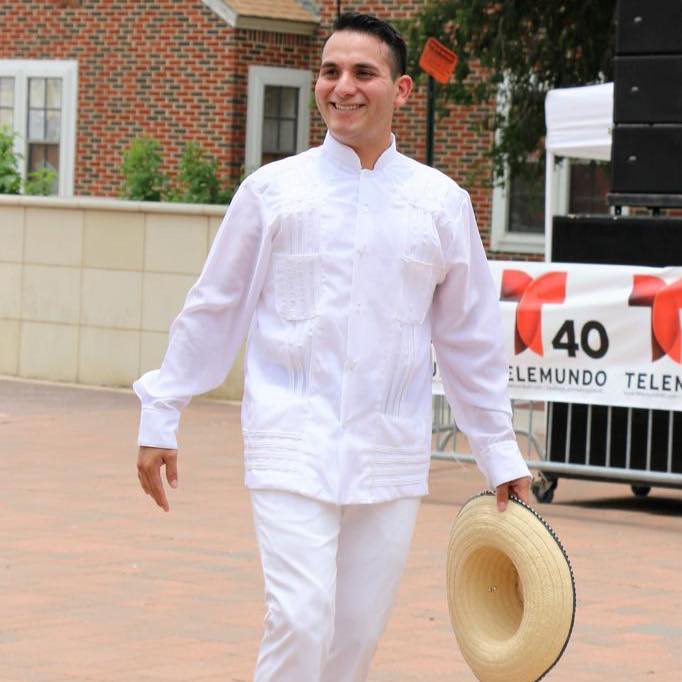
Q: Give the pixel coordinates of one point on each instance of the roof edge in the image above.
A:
(275, 25)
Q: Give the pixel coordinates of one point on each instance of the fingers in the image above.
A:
(157, 491)
(502, 496)
(149, 463)
(521, 488)
(171, 461)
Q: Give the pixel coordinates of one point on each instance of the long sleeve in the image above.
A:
(205, 337)
(467, 337)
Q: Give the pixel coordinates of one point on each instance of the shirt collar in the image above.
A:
(346, 157)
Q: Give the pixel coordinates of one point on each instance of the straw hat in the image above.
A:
(511, 592)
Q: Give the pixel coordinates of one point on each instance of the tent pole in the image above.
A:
(549, 203)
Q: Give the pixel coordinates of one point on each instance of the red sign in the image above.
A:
(437, 60)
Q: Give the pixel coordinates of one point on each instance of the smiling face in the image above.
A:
(357, 94)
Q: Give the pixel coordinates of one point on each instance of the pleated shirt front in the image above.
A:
(343, 278)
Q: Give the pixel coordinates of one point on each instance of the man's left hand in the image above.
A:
(519, 487)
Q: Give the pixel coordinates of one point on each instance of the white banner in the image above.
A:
(599, 334)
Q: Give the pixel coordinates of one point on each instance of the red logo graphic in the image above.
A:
(665, 302)
(531, 294)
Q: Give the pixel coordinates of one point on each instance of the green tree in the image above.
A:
(143, 178)
(525, 48)
(10, 180)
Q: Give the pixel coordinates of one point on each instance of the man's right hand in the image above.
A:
(149, 461)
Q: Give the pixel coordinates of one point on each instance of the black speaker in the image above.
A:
(649, 26)
(648, 89)
(615, 240)
(647, 159)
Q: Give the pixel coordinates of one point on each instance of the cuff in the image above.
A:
(158, 427)
(502, 462)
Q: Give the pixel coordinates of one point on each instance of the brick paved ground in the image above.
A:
(96, 583)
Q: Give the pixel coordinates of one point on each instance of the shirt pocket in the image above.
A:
(296, 278)
(418, 286)
(421, 264)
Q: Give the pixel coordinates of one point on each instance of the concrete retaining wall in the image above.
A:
(89, 287)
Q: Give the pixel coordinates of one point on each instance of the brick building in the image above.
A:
(79, 79)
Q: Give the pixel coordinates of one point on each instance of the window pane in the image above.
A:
(527, 206)
(268, 158)
(271, 102)
(36, 92)
(43, 156)
(289, 102)
(286, 137)
(36, 124)
(6, 92)
(280, 112)
(270, 135)
(52, 157)
(36, 157)
(54, 93)
(53, 125)
(589, 187)
(7, 118)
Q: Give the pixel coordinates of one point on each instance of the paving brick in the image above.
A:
(98, 584)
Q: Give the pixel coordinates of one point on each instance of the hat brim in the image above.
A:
(511, 590)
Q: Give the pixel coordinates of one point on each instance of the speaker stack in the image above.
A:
(646, 171)
(646, 155)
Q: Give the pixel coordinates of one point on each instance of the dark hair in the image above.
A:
(367, 23)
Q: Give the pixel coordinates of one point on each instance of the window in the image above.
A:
(518, 212)
(518, 218)
(7, 102)
(526, 205)
(590, 181)
(38, 100)
(277, 119)
(280, 114)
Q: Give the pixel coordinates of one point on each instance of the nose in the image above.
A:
(345, 85)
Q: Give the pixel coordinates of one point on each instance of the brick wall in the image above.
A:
(171, 70)
(176, 71)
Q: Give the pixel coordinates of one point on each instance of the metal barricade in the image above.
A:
(564, 440)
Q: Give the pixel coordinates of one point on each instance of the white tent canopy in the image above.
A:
(579, 123)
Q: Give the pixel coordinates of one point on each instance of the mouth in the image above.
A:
(346, 107)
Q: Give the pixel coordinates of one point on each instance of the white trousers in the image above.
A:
(331, 573)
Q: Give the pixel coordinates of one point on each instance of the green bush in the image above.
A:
(41, 182)
(198, 178)
(10, 180)
(197, 175)
(196, 182)
(143, 178)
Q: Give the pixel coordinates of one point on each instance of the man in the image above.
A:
(343, 263)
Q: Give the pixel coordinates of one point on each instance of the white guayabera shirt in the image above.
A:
(342, 277)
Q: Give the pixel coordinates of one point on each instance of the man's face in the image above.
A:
(355, 90)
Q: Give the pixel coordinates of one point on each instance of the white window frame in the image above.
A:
(23, 69)
(259, 78)
(501, 238)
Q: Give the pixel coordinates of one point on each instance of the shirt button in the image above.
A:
(351, 364)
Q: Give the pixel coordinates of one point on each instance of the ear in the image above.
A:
(404, 88)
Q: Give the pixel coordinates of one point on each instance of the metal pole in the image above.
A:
(431, 93)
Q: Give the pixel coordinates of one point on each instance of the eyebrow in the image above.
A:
(359, 65)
